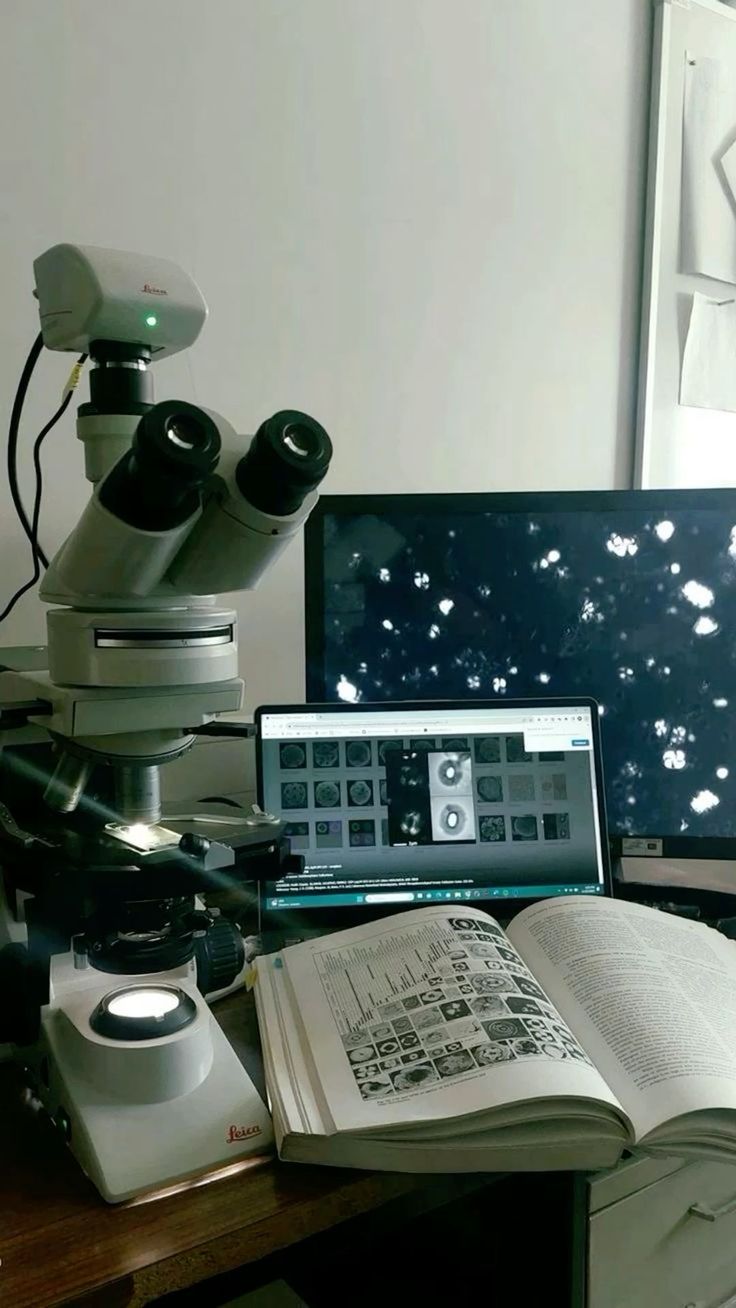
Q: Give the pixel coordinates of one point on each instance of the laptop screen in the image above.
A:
(411, 803)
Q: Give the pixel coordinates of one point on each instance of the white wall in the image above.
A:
(418, 219)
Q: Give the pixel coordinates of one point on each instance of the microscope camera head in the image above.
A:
(87, 294)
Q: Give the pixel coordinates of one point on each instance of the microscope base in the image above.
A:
(128, 1148)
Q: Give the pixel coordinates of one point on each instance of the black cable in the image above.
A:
(38, 556)
(39, 471)
(21, 591)
(13, 432)
(33, 525)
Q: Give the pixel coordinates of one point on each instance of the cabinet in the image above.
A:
(662, 1234)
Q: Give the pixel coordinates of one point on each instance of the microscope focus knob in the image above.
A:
(220, 955)
(194, 845)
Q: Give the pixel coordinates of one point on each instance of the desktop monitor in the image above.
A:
(625, 596)
(409, 803)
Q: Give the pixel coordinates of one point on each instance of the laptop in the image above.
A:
(393, 806)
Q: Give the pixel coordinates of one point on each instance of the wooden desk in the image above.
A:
(59, 1241)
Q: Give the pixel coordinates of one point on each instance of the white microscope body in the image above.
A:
(129, 1060)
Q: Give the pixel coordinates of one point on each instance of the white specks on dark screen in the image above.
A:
(622, 546)
(494, 614)
(703, 801)
(347, 691)
(700, 596)
(705, 626)
(590, 612)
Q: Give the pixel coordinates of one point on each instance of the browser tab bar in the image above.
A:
(544, 725)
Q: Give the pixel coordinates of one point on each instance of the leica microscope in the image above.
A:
(106, 949)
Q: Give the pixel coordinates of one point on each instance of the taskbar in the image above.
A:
(379, 897)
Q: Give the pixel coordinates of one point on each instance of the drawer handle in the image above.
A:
(708, 1214)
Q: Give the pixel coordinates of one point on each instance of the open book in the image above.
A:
(436, 1041)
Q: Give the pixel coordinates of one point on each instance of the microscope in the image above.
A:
(107, 950)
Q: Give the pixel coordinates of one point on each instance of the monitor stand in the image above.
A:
(700, 889)
(715, 874)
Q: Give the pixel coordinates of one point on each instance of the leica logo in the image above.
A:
(242, 1133)
(148, 289)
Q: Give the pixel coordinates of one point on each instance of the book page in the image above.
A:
(427, 1015)
(651, 997)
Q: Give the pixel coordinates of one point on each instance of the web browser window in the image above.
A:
(426, 803)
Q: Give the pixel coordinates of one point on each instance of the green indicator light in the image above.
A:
(151, 320)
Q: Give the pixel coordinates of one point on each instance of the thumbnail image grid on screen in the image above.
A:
(480, 804)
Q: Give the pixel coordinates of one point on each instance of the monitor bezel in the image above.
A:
(715, 499)
(513, 904)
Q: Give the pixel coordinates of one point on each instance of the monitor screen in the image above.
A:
(629, 597)
(407, 803)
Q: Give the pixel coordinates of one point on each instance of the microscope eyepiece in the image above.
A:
(156, 485)
(288, 457)
(177, 439)
(187, 434)
(304, 440)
